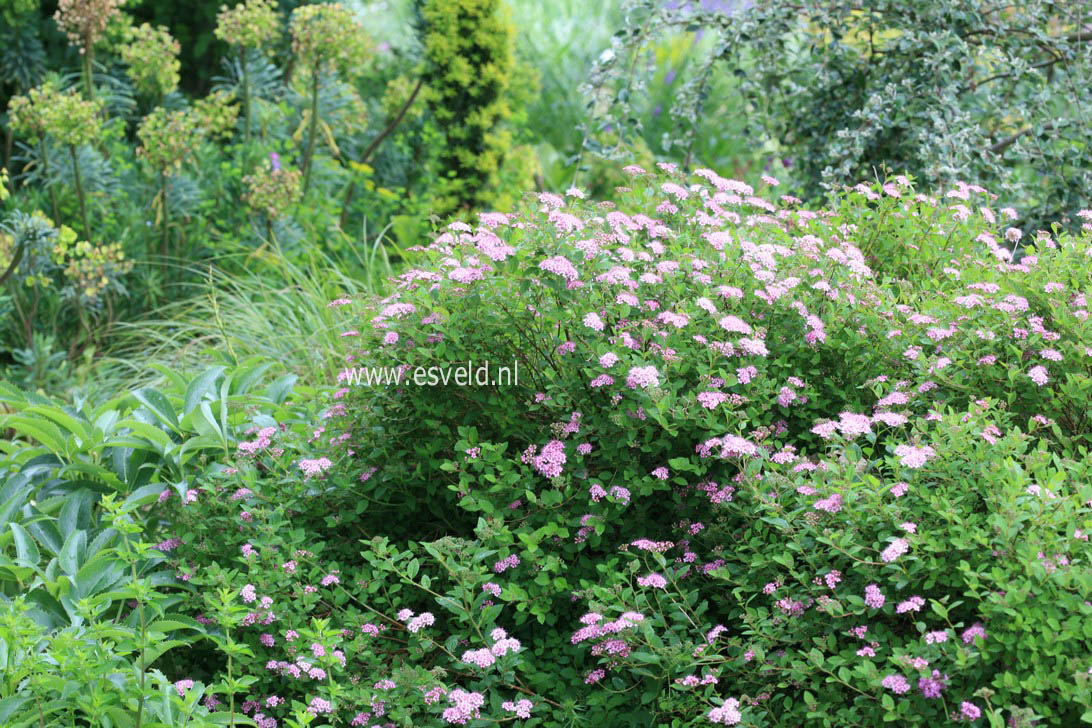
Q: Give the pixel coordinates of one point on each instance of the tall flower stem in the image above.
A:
(246, 95)
(88, 81)
(312, 128)
(52, 192)
(79, 190)
(165, 243)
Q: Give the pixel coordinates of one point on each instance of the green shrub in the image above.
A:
(742, 477)
(469, 62)
(833, 91)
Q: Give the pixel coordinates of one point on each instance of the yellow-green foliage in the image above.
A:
(152, 55)
(63, 114)
(216, 114)
(469, 61)
(250, 24)
(167, 138)
(271, 190)
(329, 35)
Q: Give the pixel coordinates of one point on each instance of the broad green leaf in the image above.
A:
(200, 386)
(159, 405)
(73, 553)
(25, 548)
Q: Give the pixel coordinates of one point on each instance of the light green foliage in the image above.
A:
(13, 10)
(67, 117)
(250, 24)
(272, 192)
(152, 55)
(168, 138)
(216, 114)
(28, 113)
(327, 36)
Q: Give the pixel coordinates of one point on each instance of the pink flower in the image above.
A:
(655, 581)
(897, 548)
(560, 266)
(592, 321)
(509, 562)
(595, 676)
(914, 457)
(313, 468)
(521, 708)
(319, 705)
(913, 604)
(422, 620)
(727, 713)
(482, 658)
(830, 504)
(874, 598)
(746, 374)
(975, 630)
(970, 711)
(1039, 375)
(896, 684)
(643, 377)
(735, 325)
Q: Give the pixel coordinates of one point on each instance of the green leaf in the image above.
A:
(200, 386)
(278, 390)
(205, 422)
(65, 420)
(47, 535)
(157, 437)
(10, 706)
(73, 552)
(25, 548)
(98, 575)
(11, 505)
(142, 496)
(159, 405)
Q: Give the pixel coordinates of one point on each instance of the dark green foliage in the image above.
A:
(192, 24)
(834, 91)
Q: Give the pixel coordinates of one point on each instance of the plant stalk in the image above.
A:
(52, 192)
(246, 95)
(312, 128)
(88, 85)
(79, 190)
(375, 145)
(165, 243)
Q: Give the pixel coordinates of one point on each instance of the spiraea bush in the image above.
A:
(762, 466)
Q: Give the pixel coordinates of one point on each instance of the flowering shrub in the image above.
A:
(750, 474)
